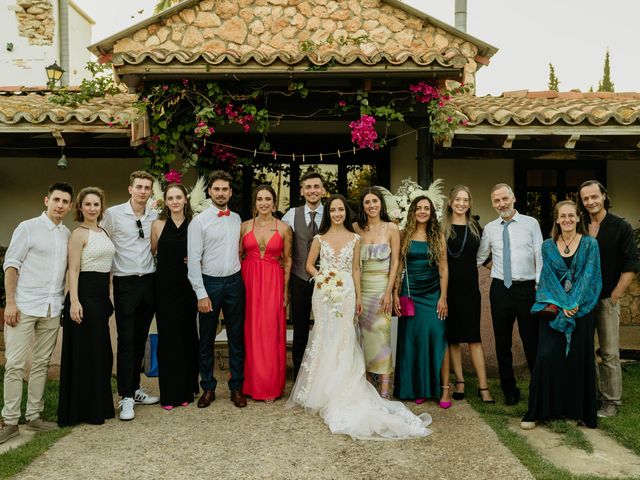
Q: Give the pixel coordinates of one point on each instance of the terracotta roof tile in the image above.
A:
(550, 108)
(35, 108)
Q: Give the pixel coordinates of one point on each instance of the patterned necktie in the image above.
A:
(312, 225)
(506, 254)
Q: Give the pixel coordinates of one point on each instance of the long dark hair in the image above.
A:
(582, 211)
(363, 220)
(166, 213)
(326, 217)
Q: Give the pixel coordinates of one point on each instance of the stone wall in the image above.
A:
(630, 304)
(270, 28)
(36, 21)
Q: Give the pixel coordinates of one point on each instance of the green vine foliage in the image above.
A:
(189, 120)
(100, 84)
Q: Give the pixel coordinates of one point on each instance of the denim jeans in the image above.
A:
(226, 294)
(609, 372)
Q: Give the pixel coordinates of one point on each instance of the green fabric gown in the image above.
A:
(421, 339)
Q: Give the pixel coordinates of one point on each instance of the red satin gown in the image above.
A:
(265, 322)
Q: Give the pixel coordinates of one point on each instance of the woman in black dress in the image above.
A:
(563, 382)
(463, 234)
(176, 303)
(87, 358)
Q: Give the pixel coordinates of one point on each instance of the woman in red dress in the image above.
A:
(266, 251)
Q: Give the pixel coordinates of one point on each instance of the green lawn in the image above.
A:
(15, 460)
(622, 427)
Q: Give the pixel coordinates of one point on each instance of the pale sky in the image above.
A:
(571, 34)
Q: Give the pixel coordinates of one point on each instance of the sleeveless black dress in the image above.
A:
(463, 322)
(177, 308)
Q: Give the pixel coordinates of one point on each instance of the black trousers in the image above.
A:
(301, 292)
(134, 306)
(507, 305)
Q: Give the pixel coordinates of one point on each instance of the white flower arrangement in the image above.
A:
(398, 204)
(197, 197)
(332, 285)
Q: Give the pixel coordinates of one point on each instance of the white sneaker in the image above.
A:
(126, 408)
(143, 398)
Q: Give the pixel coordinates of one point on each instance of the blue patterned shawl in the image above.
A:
(578, 286)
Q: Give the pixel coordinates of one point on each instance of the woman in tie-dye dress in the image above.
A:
(379, 265)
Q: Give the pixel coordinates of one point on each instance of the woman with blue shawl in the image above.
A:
(563, 383)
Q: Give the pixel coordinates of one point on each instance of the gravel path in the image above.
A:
(267, 441)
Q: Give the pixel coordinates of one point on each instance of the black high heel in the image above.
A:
(480, 390)
(458, 395)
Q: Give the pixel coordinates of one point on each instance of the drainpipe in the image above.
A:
(63, 27)
(461, 15)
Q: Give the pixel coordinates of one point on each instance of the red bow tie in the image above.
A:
(224, 213)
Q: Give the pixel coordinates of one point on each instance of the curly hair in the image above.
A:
(433, 231)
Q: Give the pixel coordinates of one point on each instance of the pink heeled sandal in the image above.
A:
(445, 404)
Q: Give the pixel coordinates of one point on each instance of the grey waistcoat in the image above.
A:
(302, 238)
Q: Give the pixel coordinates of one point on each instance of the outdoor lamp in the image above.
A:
(63, 163)
(54, 74)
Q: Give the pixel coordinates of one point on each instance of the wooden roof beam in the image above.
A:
(571, 143)
(508, 142)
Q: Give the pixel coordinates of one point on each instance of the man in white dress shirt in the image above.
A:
(514, 242)
(129, 227)
(213, 245)
(305, 222)
(34, 267)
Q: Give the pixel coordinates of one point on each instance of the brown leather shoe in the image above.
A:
(238, 398)
(207, 397)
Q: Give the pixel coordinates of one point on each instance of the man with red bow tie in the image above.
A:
(214, 272)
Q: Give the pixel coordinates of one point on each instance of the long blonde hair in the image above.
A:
(433, 231)
(447, 226)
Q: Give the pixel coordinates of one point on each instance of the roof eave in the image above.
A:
(105, 46)
(484, 49)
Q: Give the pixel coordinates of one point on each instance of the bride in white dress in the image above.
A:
(332, 379)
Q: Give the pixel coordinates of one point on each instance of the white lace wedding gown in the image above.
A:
(332, 379)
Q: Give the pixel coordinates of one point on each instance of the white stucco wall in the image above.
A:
(25, 64)
(25, 182)
(79, 38)
(622, 184)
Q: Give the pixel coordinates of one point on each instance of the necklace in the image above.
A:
(464, 241)
(567, 250)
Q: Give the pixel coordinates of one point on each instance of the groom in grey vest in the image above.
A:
(305, 223)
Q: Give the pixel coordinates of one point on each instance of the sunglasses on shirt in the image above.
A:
(140, 230)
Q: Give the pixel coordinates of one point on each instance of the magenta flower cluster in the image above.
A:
(235, 115)
(363, 132)
(203, 130)
(424, 92)
(223, 154)
(173, 176)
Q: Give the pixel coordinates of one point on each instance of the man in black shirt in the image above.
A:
(619, 264)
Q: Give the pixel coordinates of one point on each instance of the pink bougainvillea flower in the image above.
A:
(165, 87)
(342, 103)
(363, 132)
(173, 176)
(185, 82)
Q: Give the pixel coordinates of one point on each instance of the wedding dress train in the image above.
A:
(332, 379)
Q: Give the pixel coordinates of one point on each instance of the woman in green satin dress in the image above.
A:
(379, 257)
(422, 366)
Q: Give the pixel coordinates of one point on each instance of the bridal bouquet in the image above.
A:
(332, 286)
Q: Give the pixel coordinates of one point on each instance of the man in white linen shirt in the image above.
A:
(129, 227)
(35, 266)
(213, 245)
(514, 242)
(305, 222)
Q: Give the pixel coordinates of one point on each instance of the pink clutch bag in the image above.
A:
(407, 307)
